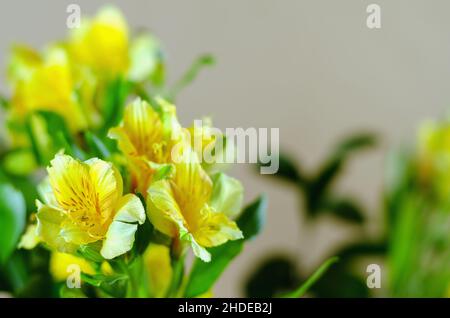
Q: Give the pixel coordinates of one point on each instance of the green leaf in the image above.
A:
(253, 218)
(4, 103)
(96, 146)
(114, 102)
(91, 252)
(19, 162)
(273, 276)
(360, 249)
(340, 282)
(49, 134)
(144, 235)
(287, 169)
(356, 142)
(312, 279)
(191, 74)
(114, 285)
(344, 209)
(319, 186)
(12, 219)
(204, 275)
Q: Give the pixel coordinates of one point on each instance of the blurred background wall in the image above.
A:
(309, 67)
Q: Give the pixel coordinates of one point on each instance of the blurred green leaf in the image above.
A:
(252, 219)
(204, 275)
(340, 282)
(287, 169)
(344, 209)
(360, 249)
(19, 162)
(312, 279)
(356, 142)
(319, 185)
(191, 74)
(12, 219)
(49, 134)
(275, 275)
(96, 147)
(4, 103)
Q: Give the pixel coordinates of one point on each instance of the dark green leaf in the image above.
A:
(287, 169)
(12, 219)
(144, 235)
(274, 276)
(344, 209)
(319, 186)
(340, 282)
(253, 218)
(356, 142)
(361, 249)
(204, 275)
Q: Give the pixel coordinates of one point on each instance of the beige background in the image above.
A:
(311, 68)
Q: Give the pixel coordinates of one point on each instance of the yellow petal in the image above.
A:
(60, 265)
(120, 236)
(162, 209)
(30, 238)
(108, 185)
(216, 229)
(102, 43)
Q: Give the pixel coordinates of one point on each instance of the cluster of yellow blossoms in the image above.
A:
(70, 77)
(85, 202)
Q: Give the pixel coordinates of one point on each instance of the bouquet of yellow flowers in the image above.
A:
(102, 192)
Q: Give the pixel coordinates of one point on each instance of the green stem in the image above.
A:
(312, 279)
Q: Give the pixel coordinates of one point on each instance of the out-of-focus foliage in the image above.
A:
(417, 204)
(278, 274)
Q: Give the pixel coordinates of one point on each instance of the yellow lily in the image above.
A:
(181, 206)
(102, 43)
(84, 203)
(44, 83)
(146, 138)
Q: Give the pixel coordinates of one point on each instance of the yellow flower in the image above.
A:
(83, 203)
(44, 84)
(157, 263)
(434, 156)
(181, 206)
(146, 138)
(60, 265)
(102, 43)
